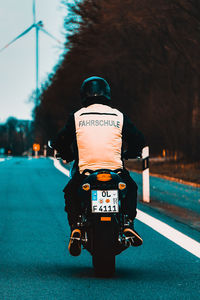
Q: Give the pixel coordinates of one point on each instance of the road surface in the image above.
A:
(35, 264)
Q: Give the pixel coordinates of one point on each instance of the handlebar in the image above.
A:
(50, 144)
(126, 156)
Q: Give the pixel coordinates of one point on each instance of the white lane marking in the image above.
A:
(169, 232)
(2, 159)
(58, 166)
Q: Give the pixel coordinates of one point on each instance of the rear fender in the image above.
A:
(104, 235)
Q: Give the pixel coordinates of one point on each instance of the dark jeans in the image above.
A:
(73, 202)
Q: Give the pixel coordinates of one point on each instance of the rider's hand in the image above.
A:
(125, 155)
(58, 156)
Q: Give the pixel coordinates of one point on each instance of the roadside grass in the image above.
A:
(176, 169)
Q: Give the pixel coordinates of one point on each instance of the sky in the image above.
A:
(17, 62)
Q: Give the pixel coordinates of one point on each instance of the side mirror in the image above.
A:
(50, 144)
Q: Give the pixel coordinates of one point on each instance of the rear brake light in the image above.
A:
(104, 177)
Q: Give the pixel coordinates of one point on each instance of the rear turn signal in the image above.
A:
(122, 185)
(104, 177)
(86, 187)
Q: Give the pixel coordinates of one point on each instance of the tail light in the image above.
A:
(104, 177)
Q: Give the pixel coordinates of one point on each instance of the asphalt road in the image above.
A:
(35, 264)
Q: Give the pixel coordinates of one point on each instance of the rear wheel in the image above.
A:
(104, 265)
(104, 237)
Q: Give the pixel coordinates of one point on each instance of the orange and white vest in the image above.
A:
(99, 137)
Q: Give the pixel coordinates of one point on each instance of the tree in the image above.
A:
(149, 53)
(16, 136)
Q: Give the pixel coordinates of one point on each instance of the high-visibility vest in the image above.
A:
(99, 137)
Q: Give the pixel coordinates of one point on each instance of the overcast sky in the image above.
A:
(17, 63)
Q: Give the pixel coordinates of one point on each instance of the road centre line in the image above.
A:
(167, 231)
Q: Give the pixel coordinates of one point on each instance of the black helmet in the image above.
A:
(95, 90)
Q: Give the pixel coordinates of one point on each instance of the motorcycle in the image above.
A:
(102, 220)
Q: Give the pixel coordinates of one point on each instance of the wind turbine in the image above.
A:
(38, 26)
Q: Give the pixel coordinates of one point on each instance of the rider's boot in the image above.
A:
(133, 237)
(75, 241)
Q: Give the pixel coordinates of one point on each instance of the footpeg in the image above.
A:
(124, 241)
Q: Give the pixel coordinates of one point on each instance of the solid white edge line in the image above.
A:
(170, 233)
(2, 159)
(58, 166)
(167, 231)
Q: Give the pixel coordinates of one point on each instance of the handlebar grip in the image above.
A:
(87, 171)
(58, 156)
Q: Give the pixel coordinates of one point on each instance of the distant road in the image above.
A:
(35, 264)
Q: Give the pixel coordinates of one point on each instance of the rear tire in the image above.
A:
(104, 266)
(104, 237)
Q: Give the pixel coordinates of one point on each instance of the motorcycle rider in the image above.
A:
(94, 136)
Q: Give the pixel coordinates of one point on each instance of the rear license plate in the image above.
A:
(105, 201)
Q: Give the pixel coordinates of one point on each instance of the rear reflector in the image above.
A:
(106, 219)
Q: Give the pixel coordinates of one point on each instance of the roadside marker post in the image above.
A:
(36, 148)
(145, 175)
(45, 150)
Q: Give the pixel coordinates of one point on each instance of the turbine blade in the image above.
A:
(50, 35)
(18, 37)
(34, 13)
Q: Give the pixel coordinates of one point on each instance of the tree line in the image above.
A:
(16, 136)
(148, 51)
